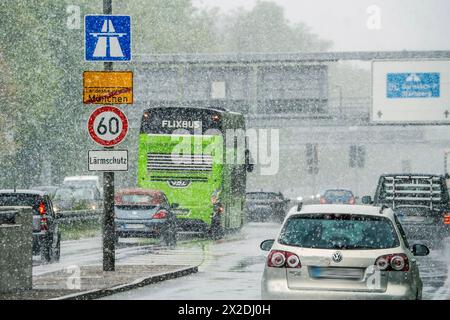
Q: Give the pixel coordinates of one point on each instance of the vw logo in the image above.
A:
(179, 183)
(337, 256)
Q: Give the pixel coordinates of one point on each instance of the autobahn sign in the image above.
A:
(107, 126)
(107, 38)
(410, 92)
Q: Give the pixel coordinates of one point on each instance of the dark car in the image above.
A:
(145, 213)
(337, 196)
(263, 206)
(46, 234)
(421, 203)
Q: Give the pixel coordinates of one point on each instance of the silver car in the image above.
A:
(341, 252)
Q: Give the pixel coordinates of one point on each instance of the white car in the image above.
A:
(341, 252)
(82, 182)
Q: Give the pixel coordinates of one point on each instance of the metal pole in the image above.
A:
(108, 192)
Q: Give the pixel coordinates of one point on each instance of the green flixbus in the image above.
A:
(185, 152)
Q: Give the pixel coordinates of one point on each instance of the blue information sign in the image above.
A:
(413, 85)
(107, 38)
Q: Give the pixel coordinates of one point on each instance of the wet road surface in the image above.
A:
(232, 269)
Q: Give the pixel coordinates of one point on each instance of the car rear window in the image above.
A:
(338, 194)
(262, 195)
(135, 212)
(64, 194)
(19, 200)
(84, 194)
(25, 200)
(137, 198)
(339, 231)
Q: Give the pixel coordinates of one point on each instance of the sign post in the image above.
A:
(109, 249)
(109, 229)
(107, 38)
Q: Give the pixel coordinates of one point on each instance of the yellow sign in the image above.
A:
(108, 87)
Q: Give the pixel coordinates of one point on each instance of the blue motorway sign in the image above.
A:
(413, 85)
(107, 38)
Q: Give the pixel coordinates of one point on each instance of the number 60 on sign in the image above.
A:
(107, 126)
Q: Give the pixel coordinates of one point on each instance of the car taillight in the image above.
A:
(446, 218)
(283, 259)
(351, 201)
(42, 209)
(393, 262)
(323, 201)
(161, 214)
(43, 213)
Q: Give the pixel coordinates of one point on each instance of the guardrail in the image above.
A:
(68, 217)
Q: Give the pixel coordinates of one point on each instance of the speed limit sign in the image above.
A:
(107, 126)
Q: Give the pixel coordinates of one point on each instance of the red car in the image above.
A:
(145, 213)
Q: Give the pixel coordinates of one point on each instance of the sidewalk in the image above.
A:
(91, 282)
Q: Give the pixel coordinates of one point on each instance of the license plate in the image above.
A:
(336, 273)
(134, 226)
(412, 219)
(182, 212)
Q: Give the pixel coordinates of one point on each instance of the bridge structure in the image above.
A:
(295, 93)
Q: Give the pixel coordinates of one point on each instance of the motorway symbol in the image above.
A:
(107, 126)
(107, 38)
(108, 87)
(413, 85)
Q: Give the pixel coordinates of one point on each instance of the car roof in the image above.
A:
(24, 191)
(343, 209)
(81, 178)
(263, 192)
(412, 175)
(37, 187)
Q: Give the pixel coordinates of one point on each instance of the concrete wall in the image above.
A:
(16, 250)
